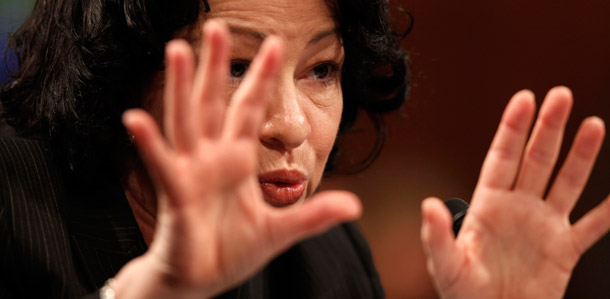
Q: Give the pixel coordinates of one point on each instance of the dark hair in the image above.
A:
(81, 64)
(375, 77)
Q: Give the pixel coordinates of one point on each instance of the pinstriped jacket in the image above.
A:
(59, 241)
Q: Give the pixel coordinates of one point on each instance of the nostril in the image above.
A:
(273, 143)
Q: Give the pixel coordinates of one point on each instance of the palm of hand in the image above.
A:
(213, 227)
(215, 189)
(515, 247)
(513, 243)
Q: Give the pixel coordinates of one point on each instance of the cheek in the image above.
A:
(324, 133)
(324, 116)
(324, 127)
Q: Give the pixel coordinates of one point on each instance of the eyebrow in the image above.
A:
(261, 36)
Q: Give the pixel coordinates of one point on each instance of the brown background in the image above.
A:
(468, 58)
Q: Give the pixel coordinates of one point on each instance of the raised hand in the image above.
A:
(515, 242)
(213, 227)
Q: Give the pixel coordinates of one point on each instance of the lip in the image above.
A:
(282, 187)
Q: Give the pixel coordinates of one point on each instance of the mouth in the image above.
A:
(282, 187)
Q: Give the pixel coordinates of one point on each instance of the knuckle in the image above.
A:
(504, 153)
(541, 157)
(571, 180)
(585, 153)
(551, 122)
(515, 127)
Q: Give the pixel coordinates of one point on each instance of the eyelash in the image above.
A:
(331, 77)
(239, 67)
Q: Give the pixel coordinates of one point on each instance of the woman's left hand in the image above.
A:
(515, 242)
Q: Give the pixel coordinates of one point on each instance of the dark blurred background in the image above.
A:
(467, 59)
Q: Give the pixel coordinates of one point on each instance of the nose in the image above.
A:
(286, 126)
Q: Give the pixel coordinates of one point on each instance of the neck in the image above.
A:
(142, 199)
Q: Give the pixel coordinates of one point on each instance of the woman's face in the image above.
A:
(304, 110)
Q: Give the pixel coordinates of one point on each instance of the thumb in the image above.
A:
(443, 256)
(317, 214)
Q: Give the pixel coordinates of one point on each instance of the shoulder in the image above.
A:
(28, 174)
(34, 241)
(24, 159)
(27, 189)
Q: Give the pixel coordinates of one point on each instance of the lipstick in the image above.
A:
(282, 187)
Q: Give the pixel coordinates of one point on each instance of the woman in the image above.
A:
(90, 61)
(229, 146)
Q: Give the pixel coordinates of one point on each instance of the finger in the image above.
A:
(150, 143)
(502, 162)
(178, 119)
(211, 78)
(319, 213)
(545, 143)
(575, 172)
(591, 227)
(438, 241)
(246, 114)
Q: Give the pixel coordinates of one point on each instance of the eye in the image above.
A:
(323, 71)
(239, 68)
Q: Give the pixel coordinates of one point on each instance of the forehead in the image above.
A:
(287, 18)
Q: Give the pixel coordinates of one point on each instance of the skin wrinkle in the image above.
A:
(261, 36)
(280, 17)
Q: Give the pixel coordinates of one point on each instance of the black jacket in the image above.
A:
(59, 240)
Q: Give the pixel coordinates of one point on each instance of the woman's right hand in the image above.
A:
(213, 227)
